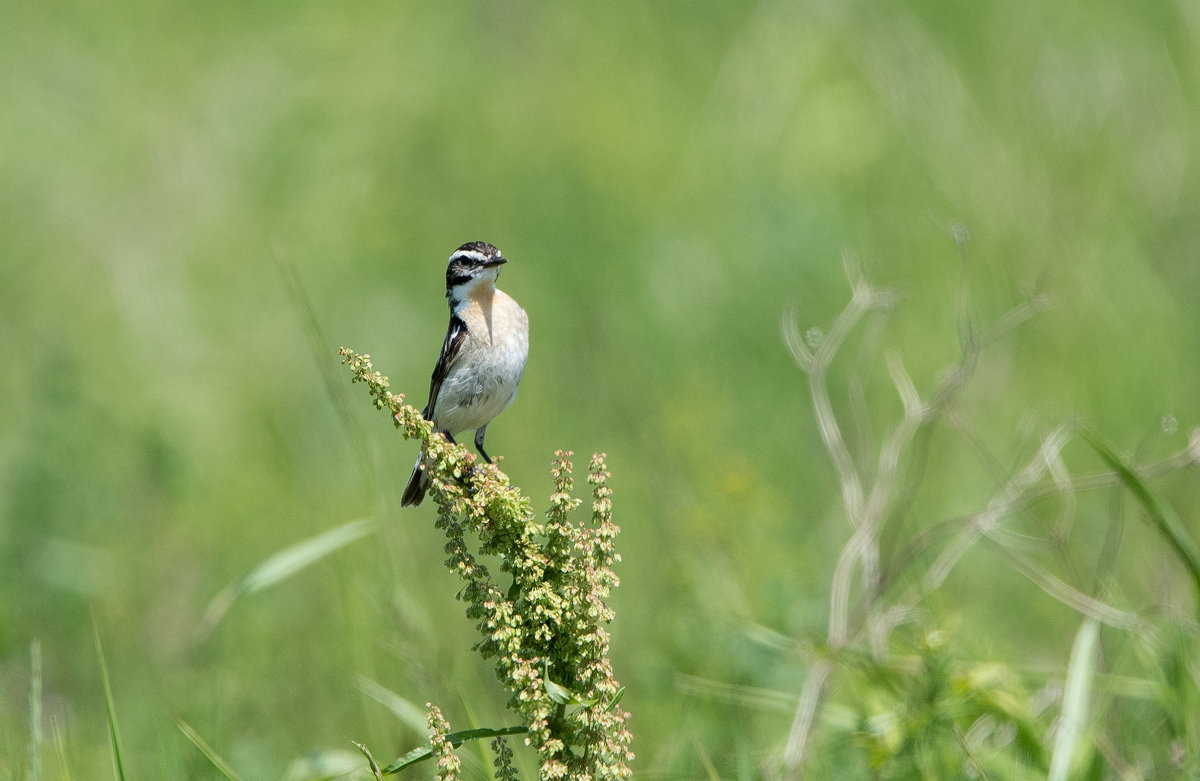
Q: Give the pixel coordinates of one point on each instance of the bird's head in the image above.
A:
(471, 264)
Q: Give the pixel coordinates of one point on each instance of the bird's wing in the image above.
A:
(456, 336)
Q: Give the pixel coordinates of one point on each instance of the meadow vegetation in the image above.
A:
(884, 315)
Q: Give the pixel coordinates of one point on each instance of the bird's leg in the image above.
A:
(479, 443)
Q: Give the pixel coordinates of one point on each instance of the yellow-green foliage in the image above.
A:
(545, 631)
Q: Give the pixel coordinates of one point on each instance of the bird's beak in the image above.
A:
(497, 261)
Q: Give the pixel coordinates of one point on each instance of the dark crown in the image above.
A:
(476, 248)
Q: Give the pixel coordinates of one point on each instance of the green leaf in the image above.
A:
(559, 694)
(411, 758)
(616, 698)
(456, 739)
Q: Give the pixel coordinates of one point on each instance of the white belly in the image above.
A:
(482, 383)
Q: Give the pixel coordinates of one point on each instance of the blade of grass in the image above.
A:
(60, 748)
(1076, 699)
(412, 716)
(710, 770)
(324, 765)
(296, 557)
(1165, 519)
(35, 710)
(482, 749)
(209, 753)
(282, 565)
(114, 731)
(375, 771)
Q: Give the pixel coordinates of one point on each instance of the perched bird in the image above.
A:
(482, 359)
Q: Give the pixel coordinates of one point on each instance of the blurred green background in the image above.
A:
(199, 203)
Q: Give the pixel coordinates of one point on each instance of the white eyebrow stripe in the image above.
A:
(469, 254)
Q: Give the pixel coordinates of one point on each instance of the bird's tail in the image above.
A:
(414, 492)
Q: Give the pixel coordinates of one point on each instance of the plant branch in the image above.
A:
(545, 633)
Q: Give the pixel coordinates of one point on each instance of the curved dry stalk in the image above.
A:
(806, 712)
(816, 364)
(998, 507)
(867, 512)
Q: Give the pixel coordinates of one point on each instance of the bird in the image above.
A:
(483, 356)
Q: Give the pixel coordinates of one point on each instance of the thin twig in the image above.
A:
(863, 545)
(1040, 492)
(1064, 592)
(1000, 506)
(866, 514)
(806, 711)
(816, 364)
